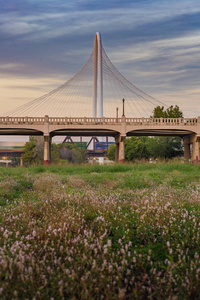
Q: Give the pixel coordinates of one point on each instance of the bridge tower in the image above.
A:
(97, 78)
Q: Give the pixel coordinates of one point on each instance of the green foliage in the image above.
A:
(71, 153)
(78, 156)
(30, 155)
(170, 112)
(136, 148)
(111, 152)
(34, 151)
(138, 240)
(15, 161)
(39, 149)
(165, 147)
(55, 158)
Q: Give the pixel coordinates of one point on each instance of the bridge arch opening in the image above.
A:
(160, 132)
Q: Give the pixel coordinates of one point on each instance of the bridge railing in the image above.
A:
(80, 121)
(57, 120)
(162, 121)
(21, 120)
(96, 121)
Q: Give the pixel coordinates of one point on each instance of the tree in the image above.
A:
(29, 156)
(39, 148)
(170, 112)
(34, 151)
(55, 157)
(136, 148)
(111, 152)
(15, 161)
(166, 147)
(146, 147)
(72, 153)
(174, 112)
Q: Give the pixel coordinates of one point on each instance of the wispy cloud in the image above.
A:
(155, 43)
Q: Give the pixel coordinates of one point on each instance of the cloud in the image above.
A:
(18, 91)
(165, 60)
(10, 67)
(154, 43)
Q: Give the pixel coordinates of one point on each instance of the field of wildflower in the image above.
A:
(100, 232)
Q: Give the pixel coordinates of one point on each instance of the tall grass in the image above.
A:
(100, 232)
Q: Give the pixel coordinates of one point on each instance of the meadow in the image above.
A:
(100, 232)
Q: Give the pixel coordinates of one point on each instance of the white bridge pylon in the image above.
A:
(97, 73)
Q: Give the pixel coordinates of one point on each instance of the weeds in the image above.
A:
(108, 234)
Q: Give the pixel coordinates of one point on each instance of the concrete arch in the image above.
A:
(21, 131)
(160, 132)
(80, 132)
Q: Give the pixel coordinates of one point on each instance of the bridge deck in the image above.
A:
(98, 126)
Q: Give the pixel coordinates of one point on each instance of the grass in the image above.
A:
(100, 232)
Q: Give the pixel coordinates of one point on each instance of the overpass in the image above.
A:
(119, 128)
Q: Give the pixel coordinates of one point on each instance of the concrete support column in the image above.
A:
(47, 149)
(119, 152)
(186, 142)
(195, 152)
(21, 161)
(193, 140)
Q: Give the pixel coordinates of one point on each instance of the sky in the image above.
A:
(155, 44)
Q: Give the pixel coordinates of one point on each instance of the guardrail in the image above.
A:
(95, 121)
(21, 120)
(162, 121)
(85, 120)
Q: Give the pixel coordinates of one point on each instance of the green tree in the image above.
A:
(111, 152)
(166, 147)
(39, 148)
(55, 157)
(15, 161)
(34, 151)
(30, 155)
(170, 112)
(72, 153)
(174, 112)
(136, 148)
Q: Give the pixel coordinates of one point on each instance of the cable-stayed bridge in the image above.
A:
(90, 104)
(96, 90)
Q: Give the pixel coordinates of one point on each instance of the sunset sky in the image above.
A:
(153, 43)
